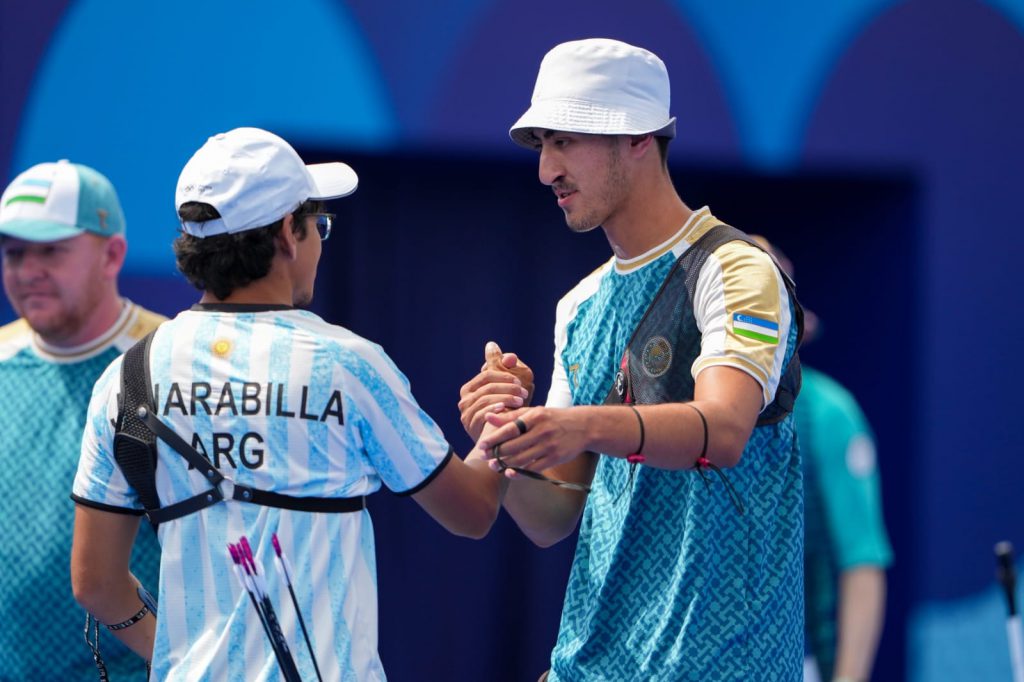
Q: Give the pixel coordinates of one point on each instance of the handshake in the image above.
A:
(504, 383)
(499, 397)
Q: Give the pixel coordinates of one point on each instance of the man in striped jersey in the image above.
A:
(678, 575)
(62, 238)
(307, 416)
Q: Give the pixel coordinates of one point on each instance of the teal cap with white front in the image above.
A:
(52, 201)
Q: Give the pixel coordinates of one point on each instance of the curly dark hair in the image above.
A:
(225, 262)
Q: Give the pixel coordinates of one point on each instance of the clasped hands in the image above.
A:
(495, 411)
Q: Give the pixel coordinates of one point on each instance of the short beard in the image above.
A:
(616, 186)
(66, 323)
(56, 331)
(581, 224)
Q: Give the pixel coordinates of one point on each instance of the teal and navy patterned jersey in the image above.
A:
(45, 395)
(844, 526)
(281, 401)
(669, 581)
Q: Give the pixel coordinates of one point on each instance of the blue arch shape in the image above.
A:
(134, 88)
(491, 79)
(1013, 9)
(417, 44)
(773, 59)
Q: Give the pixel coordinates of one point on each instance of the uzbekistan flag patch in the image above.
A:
(32, 190)
(755, 328)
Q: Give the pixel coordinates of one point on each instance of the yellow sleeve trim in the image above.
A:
(145, 322)
(739, 363)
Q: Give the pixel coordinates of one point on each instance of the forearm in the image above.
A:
(722, 414)
(487, 494)
(464, 497)
(101, 580)
(117, 601)
(547, 514)
(860, 618)
(668, 436)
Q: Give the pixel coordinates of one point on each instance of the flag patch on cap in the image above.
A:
(755, 328)
(32, 190)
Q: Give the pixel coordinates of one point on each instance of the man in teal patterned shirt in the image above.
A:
(688, 563)
(63, 244)
(846, 548)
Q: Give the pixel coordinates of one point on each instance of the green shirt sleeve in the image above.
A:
(844, 455)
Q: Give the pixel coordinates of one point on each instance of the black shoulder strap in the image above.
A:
(665, 306)
(791, 380)
(134, 443)
(138, 428)
(722, 234)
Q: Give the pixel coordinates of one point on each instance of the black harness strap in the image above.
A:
(134, 442)
(137, 429)
(791, 379)
(655, 367)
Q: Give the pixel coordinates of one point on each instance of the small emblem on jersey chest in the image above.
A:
(657, 356)
(574, 372)
(221, 347)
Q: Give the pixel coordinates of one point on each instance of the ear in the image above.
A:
(641, 144)
(287, 242)
(115, 249)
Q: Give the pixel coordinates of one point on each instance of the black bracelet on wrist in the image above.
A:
(637, 457)
(131, 621)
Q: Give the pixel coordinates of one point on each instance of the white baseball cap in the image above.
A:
(598, 86)
(53, 201)
(254, 178)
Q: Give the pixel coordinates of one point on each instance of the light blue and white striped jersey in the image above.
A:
(282, 401)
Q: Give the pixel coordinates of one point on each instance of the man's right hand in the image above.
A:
(504, 382)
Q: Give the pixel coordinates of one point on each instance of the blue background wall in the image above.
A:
(878, 142)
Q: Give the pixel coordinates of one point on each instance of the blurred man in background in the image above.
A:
(846, 549)
(62, 238)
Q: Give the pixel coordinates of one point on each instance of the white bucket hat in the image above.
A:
(254, 178)
(598, 86)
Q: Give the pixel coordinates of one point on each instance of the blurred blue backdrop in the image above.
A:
(878, 142)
